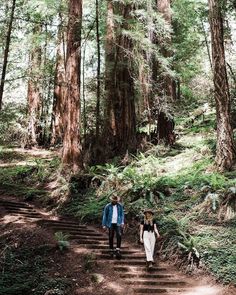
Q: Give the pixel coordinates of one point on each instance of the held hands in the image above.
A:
(104, 228)
(141, 240)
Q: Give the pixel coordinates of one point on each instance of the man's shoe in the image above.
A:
(118, 255)
(112, 253)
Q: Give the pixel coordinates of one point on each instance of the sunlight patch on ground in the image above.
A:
(16, 219)
(115, 287)
(204, 290)
(184, 160)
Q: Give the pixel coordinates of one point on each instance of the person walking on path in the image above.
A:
(148, 228)
(113, 220)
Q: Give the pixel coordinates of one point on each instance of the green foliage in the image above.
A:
(90, 209)
(62, 240)
(88, 262)
(57, 286)
(12, 124)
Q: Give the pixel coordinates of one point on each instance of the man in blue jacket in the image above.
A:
(113, 220)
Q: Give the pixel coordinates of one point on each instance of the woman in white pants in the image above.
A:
(148, 228)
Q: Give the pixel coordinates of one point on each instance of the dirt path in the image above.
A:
(129, 275)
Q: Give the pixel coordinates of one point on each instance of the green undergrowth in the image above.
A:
(26, 181)
(187, 192)
(24, 270)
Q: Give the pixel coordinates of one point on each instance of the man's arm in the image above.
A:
(122, 216)
(104, 218)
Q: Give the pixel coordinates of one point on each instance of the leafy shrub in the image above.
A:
(62, 240)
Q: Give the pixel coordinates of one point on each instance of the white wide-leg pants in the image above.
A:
(149, 241)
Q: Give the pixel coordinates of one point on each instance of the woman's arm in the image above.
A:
(156, 230)
(141, 233)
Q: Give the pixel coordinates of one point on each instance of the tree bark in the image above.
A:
(168, 86)
(98, 73)
(6, 52)
(34, 95)
(59, 88)
(71, 156)
(120, 118)
(225, 149)
(164, 86)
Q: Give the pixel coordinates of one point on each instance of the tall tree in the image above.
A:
(164, 87)
(98, 72)
(6, 51)
(225, 149)
(71, 156)
(34, 95)
(120, 120)
(59, 86)
(168, 85)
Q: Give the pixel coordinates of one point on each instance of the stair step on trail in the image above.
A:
(15, 204)
(159, 275)
(125, 257)
(169, 283)
(73, 230)
(50, 222)
(156, 290)
(141, 269)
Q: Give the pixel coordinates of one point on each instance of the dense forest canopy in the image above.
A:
(136, 63)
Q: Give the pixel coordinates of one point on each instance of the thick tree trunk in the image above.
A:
(71, 156)
(225, 149)
(59, 89)
(164, 89)
(119, 84)
(6, 52)
(168, 85)
(34, 95)
(98, 73)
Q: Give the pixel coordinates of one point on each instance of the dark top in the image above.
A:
(148, 227)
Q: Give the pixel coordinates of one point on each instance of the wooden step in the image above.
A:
(143, 275)
(96, 247)
(82, 233)
(15, 204)
(157, 290)
(140, 269)
(27, 215)
(167, 283)
(68, 224)
(126, 257)
(87, 237)
(72, 229)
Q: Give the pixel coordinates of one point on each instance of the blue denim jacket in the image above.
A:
(107, 215)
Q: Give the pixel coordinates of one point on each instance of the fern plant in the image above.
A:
(62, 240)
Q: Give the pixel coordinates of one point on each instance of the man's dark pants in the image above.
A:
(112, 230)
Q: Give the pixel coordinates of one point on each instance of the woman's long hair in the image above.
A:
(148, 218)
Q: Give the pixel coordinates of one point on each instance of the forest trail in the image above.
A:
(163, 278)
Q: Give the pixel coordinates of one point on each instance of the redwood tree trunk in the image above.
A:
(6, 52)
(59, 89)
(168, 86)
(34, 95)
(71, 156)
(98, 73)
(119, 84)
(164, 86)
(225, 149)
